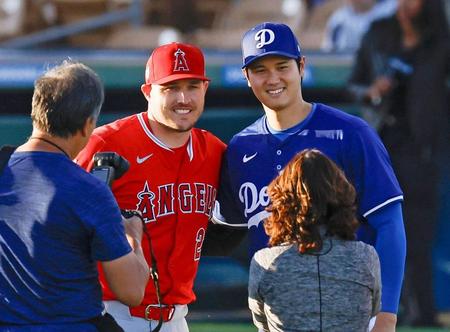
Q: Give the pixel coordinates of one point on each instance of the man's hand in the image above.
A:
(133, 230)
(385, 322)
(379, 88)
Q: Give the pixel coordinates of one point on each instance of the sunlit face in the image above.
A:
(176, 106)
(275, 81)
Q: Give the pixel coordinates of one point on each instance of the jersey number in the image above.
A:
(199, 238)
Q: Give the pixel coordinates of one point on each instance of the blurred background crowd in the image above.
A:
(330, 25)
(331, 32)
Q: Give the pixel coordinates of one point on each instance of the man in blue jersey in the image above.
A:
(274, 68)
(57, 221)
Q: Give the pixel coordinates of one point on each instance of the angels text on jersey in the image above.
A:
(169, 198)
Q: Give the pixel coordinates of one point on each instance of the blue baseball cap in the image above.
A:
(269, 38)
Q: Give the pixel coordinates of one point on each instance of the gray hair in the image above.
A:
(65, 97)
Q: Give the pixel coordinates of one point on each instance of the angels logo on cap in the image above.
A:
(180, 61)
(175, 61)
(269, 38)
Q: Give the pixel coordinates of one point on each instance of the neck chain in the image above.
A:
(51, 143)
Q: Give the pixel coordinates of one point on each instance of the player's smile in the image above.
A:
(275, 92)
(185, 113)
(184, 108)
(182, 111)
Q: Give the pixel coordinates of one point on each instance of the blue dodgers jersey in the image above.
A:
(255, 157)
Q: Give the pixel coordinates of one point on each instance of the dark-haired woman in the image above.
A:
(315, 276)
(402, 69)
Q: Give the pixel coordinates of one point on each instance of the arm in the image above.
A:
(128, 275)
(391, 249)
(227, 228)
(221, 240)
(221, 237)
(368, 166)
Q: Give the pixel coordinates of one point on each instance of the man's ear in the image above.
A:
(146, 88)
(88, 127)
(245, 73)
(301, 66)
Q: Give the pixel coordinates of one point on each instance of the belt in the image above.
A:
(153, 311)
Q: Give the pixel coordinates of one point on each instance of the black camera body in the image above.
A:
(109, 166)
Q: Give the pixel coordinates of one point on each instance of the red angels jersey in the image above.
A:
(175, 190)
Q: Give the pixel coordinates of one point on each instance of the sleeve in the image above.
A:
(85, 157)
(220, 240)
(374, 269)
(391, 248)
(101, 215)
(368, 166)
(255, 301)
(226, 210)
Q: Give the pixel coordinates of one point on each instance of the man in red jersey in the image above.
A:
(172, 181)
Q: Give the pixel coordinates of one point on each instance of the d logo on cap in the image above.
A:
(262, 36)
(269, 38)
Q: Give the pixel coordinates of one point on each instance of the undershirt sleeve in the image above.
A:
(390, 245)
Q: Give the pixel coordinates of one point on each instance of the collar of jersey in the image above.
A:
(283, 134)
(142, 117)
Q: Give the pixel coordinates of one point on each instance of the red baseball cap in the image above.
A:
(175, 61)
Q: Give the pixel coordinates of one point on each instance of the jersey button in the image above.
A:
(278, 152)
(279, 167)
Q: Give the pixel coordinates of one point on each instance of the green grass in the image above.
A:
(242, 327)
(218, 327)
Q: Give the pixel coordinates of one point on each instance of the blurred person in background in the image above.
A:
(347, 25)
(56, 220)
(401, 72)
(314, 276)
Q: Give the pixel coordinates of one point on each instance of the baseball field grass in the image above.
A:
(245, 327)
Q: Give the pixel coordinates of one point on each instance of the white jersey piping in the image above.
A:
(393, 199)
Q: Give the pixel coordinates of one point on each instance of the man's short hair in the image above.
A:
(65, 97)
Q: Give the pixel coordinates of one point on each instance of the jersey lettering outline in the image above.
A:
(257, 218)
(252, 199)
(166, 200)
(185, 197)
(199, 238)
(200, 191)
(190, 197)
(145, 203)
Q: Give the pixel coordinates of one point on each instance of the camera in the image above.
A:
(109, 166)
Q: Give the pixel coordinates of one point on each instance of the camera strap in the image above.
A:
(153, 268)
(5, 153)
(155, 277)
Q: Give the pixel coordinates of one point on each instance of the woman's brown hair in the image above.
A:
(310, 191)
